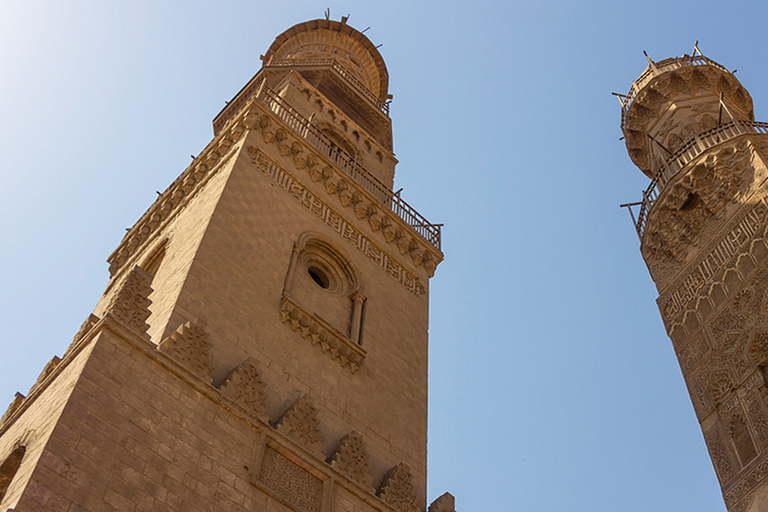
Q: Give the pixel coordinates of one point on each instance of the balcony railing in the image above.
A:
(355, 82)
(349, 165)
(657, 68)
(683, 156)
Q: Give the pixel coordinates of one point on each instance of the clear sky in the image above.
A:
(553, 386)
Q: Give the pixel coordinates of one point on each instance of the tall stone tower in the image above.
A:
(689, 126)
(262, 341)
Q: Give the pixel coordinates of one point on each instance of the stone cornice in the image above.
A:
(346, 229)
(349, 192)
(321, 334)
(218, 153)
(178, 194)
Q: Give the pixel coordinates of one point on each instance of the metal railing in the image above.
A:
(355, 82)
(349, 165)
(683, 156)
(655, 69)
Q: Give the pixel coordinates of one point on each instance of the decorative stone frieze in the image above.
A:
(695, 200)
(244, 386)
(18, 399)
(321, 334)
(291, 482)
(346, 229)
(745, 484)
(351, 458)
(745, 238)
(130, 305)
(189, 346)
(207, 164)
(300, 422)
(396, 489)
(445, 503)
(349, 193)
(755, 407)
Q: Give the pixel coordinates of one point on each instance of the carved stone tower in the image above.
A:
(262, 341)
(689, 125)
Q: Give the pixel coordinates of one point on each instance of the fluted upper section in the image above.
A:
(673, 102)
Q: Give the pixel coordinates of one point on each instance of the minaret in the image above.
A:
(262, 341)
(689, 126)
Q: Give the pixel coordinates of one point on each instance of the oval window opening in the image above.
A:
(319, 277)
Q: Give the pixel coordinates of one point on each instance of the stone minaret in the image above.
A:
(689, 126)
(262, 342)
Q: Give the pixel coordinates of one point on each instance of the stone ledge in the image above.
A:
(322, 334)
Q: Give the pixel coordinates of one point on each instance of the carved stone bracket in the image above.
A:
(396, 489)
(322, 334)
(351, 459)
(189, 345)
(300, 422)
(130, 305)
(244, 386)
(744, 243)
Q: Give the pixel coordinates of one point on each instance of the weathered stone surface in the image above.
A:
(123, 424)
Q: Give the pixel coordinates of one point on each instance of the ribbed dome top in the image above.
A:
(326, 39)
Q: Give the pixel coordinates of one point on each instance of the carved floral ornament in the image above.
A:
(700, 194)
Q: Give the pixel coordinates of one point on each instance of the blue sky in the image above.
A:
(553, 386)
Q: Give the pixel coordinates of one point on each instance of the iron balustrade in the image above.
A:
(349, 165)
(685, 155)
(355, 82)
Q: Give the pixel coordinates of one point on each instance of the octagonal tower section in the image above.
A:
(689, 126)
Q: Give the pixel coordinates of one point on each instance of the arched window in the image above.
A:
(9, 468)
(322, 279)
(742, 441)
(152, 263)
